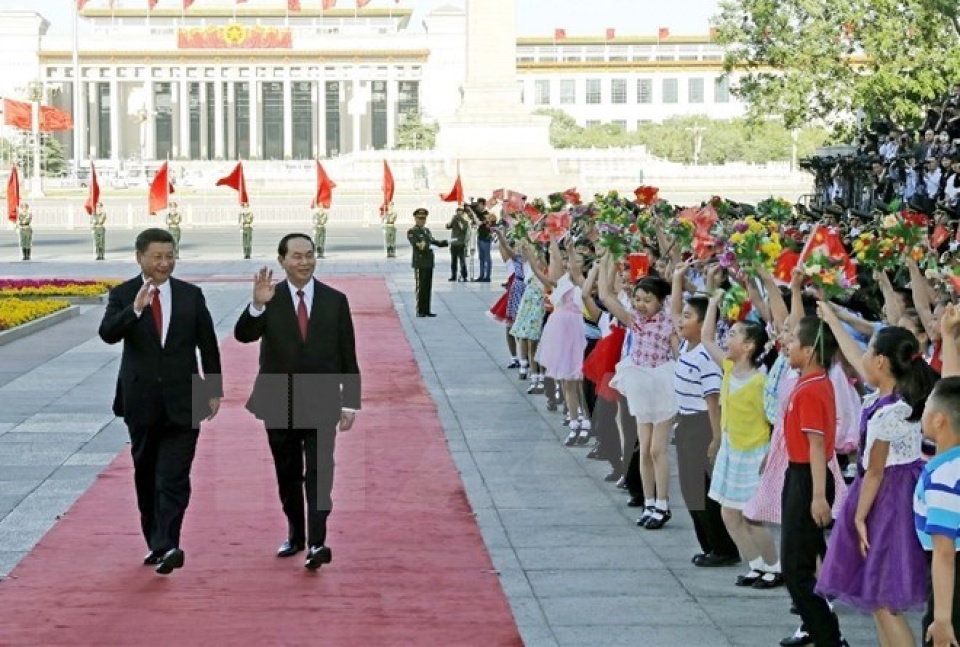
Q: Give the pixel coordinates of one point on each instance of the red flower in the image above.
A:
(646, 195)
(571, 196)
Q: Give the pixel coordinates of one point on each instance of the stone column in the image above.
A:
(287, 118)
(204, 126)
(184, 152)
(319, 97)
(150, 132)
(93, 113)
(231, 120)
(491, 52)
(80, 142)
(218, 118)
(255, 147)
(115, 114)
(393, 93)
(356, 115)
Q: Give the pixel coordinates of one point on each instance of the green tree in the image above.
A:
(53, 162)
(808, 61)
(414, 134)
(564, 131)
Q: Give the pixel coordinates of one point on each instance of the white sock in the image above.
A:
(757, 564)
(524, 363)
(649, 503)
(771, 568)
(662, 504)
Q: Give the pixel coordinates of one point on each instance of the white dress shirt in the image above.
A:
(166, 303)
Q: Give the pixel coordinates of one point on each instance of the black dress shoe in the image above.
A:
(612, 477)
(452, 278)
(769, 581)
(153, 558)
(317, 557)
(636, 502)
(289, 548)
(711, 560)
(749, 579)
(171, 560)
(799, 638)
(429, 314)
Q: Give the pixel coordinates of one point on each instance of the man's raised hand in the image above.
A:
(144, 296)
(263, 288)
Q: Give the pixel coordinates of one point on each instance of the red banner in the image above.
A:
(456, 193)
(237, 182)
(388, 187)
(13, 194)
(94, 198)
(325, 187)
(160, 190)
(234, 36)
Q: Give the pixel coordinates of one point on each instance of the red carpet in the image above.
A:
(409, 565)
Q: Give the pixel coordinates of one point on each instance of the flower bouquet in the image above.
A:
(619, 224)
(908, 231)
(736, 304)
(876, 252)
(776, 210)
(755, 242)
(646, 195)
(828, 275)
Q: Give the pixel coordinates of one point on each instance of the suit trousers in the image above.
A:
(801, 543)
(458, 256)
(162, 457)
(694, 434)
(424, 283)
(630, 449)
(304, 463)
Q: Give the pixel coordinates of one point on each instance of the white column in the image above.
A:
(287, 118)
(80, 131)
(150, 135)
(319, 99)
(231, 120)
(255, 147)
(393, 92)
(356, 115)
(93, 105)
(184, 115)
(115, 115)
(218, 118)
(491, 52)
(204, 126)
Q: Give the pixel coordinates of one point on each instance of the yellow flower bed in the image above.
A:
(16, 312)
(54, 288)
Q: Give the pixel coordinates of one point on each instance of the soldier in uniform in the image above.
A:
(390, 231)
(25, 229)
(320, 217)
(246, 227)
(99, 226)
(173, 226)
(421, 239)
(459, 228)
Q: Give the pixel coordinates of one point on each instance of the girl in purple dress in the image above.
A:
(874, 562)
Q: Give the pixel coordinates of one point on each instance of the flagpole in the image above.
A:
(78, 128)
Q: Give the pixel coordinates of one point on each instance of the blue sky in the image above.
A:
(534, 17)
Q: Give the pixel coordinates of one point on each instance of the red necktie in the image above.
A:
(157, 313)
(302, 315)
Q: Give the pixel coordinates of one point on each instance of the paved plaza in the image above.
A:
(574, 566)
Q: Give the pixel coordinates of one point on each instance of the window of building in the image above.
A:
(541, 95)
(670, 90)
(593, 91)
(644, 90)
(590, 123)
(695, 90)
(568, 91)
(619, 123)
(618, 91)
(721, 90)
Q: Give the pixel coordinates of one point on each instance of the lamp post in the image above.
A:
(35, 90)
(143, 116)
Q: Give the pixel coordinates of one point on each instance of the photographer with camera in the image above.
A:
(459, 229)
(484, 221)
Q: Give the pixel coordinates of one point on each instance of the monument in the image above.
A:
(494, 138)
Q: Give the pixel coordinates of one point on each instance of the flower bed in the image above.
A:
(54, 287)
(16, 312)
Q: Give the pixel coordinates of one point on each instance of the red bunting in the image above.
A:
(160, 189)
(93, 199)
(237, 182)
(828, 242)
(13, 194)
(456, 193)
(388, 187)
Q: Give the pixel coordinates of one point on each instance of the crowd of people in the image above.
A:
(832, 413)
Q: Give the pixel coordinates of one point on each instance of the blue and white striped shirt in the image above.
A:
(695, 377)
(936, 499)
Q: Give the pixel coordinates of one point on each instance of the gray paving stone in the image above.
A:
(9, 559)
(652, 634)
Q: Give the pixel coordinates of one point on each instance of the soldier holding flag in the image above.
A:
(25, 229)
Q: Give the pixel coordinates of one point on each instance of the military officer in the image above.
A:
(390, 231)
(25, 229)
(421, 239)
(173, 226)
(246, 228)
(99, 227)
(320, 217)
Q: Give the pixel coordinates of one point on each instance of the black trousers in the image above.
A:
(630, 450)
(162, 457)
(693, 435)
(604, 420)
(424, 285)
(303, 459)
(589, 388)
(801, 543)
(458, 253)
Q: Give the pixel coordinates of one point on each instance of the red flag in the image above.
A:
(783, 270)
(13, 194)
(187, 4)
(293, 5)
(17, 114)
(325, 188)
(152, 4)
(456, 193)
(611, 33)
(329, 4)
(160, 190)
(54, 119)
(514, 202)
(90, 206)
(237, 182)
(81, 4)
(827, 242)
(663, 32)
(939, 236)
(559, 34)
(362, 3)
(387, 186)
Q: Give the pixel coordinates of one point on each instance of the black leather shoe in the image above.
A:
(289, 549)
(171, 560)
(452, 278)
(429, 314)
(713, 560)
(635, 502)
(749, 579)
(799, 638)
(153, 558)
(612, 477)
(317, 557)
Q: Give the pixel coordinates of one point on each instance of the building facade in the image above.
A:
(254, 81)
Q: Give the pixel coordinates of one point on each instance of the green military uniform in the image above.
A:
(246, 228)
(390, 231)
(320, 218)
(25, 229)
(421, 239)
(99, 227)
(173, 226)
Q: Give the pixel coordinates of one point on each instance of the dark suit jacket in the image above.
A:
(303, 384)
(156, 380)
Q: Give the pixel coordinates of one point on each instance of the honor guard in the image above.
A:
(390, 231)
(246, 228)
(25, 229)
(422, 240)
(320, 217)
(99, 227)
(173, 226)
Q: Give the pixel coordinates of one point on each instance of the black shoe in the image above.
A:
(800, 637)
(749, 579)
(514, 363)
(712, 560)
(452, 278)
(153, 558)
(635, 502)
(171, 560)
(290, 548)
(612, 477)
(317, 557)
(769, 581)
(659, 519)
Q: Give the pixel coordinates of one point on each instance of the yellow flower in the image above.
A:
(828, 278)
(858, 245)
(771, 249)
(736, 238)
(16, 312)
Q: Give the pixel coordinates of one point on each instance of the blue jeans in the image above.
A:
(486, 263)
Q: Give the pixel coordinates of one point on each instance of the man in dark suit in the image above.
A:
(160, 394)
(308, 383)
(422, 260)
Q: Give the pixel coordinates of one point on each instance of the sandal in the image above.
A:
(646, 516)
(574, 432)
(659, 519)
(769, 581)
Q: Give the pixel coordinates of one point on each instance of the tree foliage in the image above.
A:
(810, 60)
(53, 162)
(414, 134)
(738, 140)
